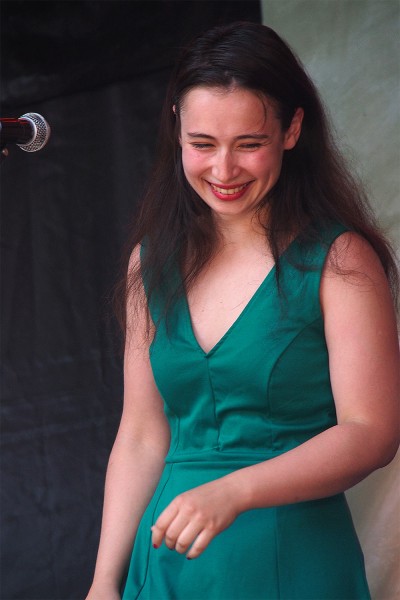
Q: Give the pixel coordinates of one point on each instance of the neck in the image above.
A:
(243, 232)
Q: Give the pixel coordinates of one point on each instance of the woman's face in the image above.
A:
(232, 148)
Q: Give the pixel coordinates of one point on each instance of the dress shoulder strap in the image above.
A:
(301, 270)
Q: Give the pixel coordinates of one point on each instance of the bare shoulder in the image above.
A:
(138, 324)
(135, 256)
(134, 261)
(352, 257)
(143, 414)
(353, 273)
(361, 335)
(138, 376)
(356, 300)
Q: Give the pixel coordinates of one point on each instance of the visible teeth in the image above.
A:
(230, 191)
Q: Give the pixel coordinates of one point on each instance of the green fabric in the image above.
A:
(263, 389)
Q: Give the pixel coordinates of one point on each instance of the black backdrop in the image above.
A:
(97, 71)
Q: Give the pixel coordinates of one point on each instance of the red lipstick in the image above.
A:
(229, 192)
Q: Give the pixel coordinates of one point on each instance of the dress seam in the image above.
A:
(217, 447)
(273, 367)
(149, 547)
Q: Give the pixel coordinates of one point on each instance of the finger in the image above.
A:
(200, 544)
(161, 525)
(187, 537)
(175, 529)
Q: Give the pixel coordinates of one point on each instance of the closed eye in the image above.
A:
(253, 146)
(200, 146)
(205, 146)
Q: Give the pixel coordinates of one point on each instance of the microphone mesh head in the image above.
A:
(41, 132)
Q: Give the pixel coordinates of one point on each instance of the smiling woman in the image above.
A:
(232, 148)
(260, 345)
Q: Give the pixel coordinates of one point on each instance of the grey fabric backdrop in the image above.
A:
(351, 50)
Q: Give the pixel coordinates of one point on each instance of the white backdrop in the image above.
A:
(351, 50)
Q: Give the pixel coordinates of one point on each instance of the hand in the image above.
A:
(195, 517)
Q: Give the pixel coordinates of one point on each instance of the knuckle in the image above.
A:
(198, 549)
(188, 505)
(212, 527)
(170, 541)
(180, 547)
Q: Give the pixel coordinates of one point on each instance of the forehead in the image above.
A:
(229, 111)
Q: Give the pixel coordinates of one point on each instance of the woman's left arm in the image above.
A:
(363, 347)
(361, 335)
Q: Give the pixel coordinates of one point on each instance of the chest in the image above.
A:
(222, 292)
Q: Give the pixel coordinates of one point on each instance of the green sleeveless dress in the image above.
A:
(263, 389)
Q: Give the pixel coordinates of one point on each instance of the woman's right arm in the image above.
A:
(134, 467)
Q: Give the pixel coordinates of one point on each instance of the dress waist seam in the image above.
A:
(222, 456)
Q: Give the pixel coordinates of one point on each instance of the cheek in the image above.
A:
(266, 165)
(193, 164)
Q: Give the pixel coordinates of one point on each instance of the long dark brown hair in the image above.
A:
(315, 186)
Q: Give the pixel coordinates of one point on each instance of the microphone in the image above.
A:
(30, 132)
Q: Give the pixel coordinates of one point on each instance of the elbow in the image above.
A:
(379, 447)
(387, 451)
(389, 455)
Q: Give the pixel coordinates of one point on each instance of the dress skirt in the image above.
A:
(306, 551)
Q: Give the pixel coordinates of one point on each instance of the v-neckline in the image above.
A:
(240, 316)
(233, 324)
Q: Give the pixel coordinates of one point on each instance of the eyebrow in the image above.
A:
(246, 136)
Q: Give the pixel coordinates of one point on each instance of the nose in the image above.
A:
(225, 167)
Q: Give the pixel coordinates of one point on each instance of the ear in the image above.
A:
(174, 111)
(293, 133)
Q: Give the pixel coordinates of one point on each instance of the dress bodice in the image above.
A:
(264, 387)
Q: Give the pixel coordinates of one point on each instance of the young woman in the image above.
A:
(261, 363)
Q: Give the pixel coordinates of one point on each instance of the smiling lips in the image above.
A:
(229, 192)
